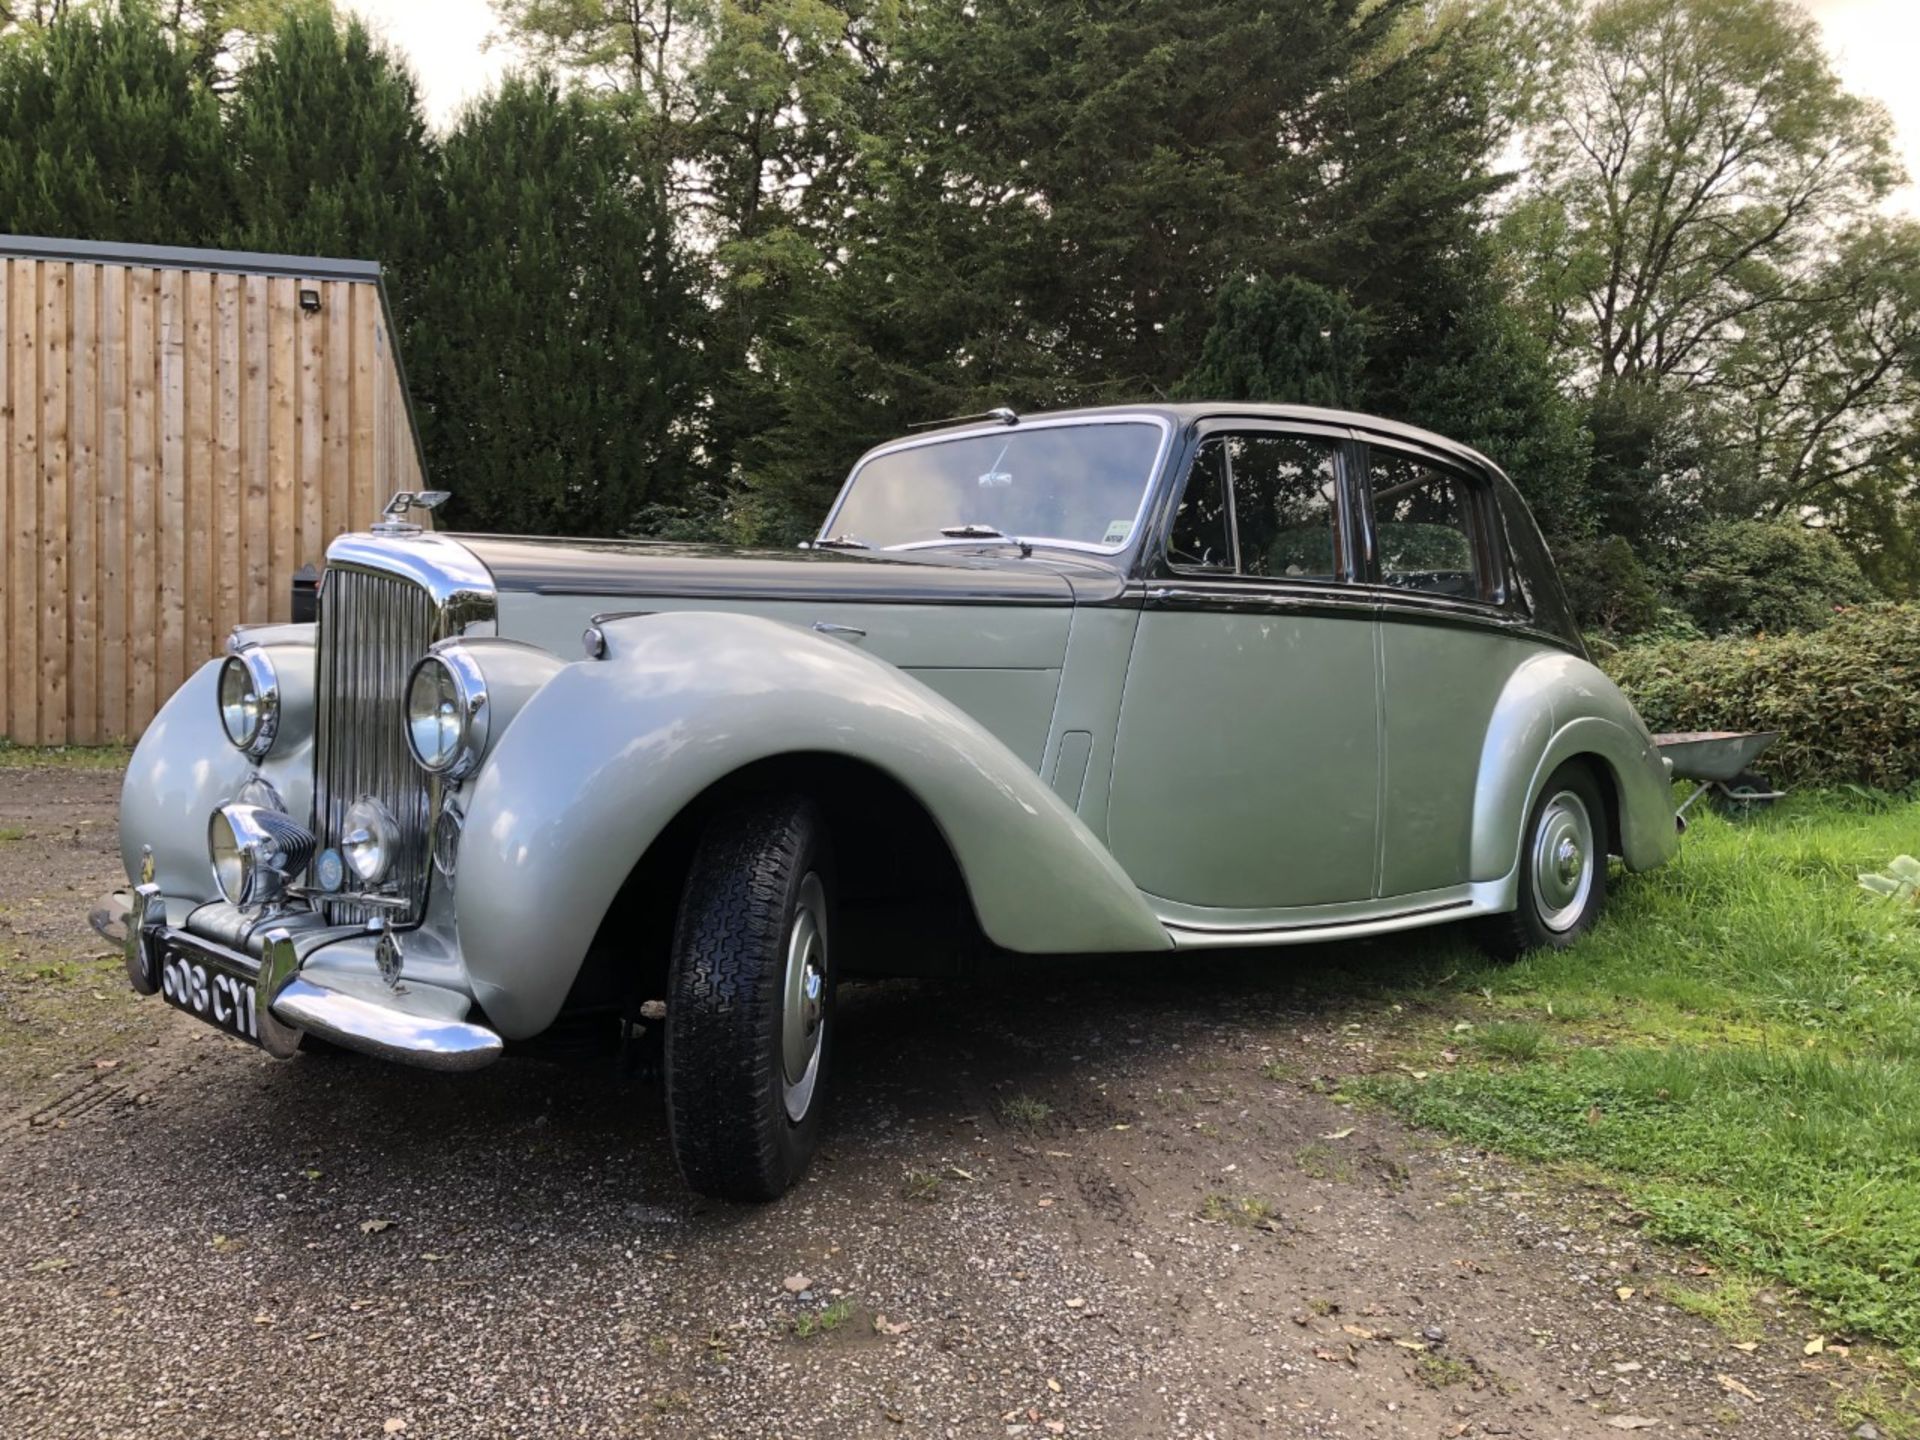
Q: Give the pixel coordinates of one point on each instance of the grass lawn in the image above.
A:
(1737, 1047)
(71, 757)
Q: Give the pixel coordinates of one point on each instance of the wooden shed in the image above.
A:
(180, 431)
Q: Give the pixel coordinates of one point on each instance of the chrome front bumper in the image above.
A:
(411, 1024)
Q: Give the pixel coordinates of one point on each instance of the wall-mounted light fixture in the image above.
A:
(310, 301)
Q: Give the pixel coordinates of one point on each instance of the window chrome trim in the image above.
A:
(1256, 595)
(1344, 441)
(1148, 482)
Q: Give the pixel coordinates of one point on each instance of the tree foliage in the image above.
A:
(1746, 576)
(109, 131)
(328, 146)
(1699, 240)
(547, 343)
(1285, 339)
(677, 279)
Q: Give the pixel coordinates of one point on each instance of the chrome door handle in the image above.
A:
(844, 632)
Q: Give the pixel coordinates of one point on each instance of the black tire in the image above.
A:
(761, 875)
(1552, 913)
(1744, 796)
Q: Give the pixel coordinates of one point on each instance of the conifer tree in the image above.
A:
(548, 350)
(331, 149)
(1286, 340)
(108, 131)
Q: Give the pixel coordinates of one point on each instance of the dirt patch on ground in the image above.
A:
(1113, 1200)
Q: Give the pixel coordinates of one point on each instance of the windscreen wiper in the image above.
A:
(984, 532)
(842, 542)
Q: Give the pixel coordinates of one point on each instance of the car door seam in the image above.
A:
(1384, 759)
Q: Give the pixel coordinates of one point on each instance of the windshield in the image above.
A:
(1072, 484)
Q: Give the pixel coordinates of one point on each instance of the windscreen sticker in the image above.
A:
(1117, 532)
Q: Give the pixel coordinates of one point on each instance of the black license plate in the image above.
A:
(209, 992)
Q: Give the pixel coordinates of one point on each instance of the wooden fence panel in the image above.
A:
(176, 440)
(143, 498)
(23, 335)
(113, 413)
(6, 494)
(83, 491)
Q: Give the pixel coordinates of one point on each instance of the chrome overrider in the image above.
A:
(289, 956)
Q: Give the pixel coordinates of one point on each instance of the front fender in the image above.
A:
(184, 768)
(598, 763)
(1556, 707)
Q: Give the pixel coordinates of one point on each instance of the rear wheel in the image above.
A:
(1563, 869)
(750, 1001)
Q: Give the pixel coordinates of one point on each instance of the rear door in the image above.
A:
(1432, 553)
(1247, 762)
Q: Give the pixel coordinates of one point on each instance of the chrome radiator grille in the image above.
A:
(373, 627)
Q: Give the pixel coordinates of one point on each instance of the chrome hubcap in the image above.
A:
(803, 999)
(1562, 861)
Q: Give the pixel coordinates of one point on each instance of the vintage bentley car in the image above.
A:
(1149, 679)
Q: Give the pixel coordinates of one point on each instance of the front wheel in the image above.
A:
(1563, 869)
(750, 1001)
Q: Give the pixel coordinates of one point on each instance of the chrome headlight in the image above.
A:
(447, 713)
(255, 853)
(250, 701)
(369, 840)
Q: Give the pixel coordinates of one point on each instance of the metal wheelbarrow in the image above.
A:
(1720, 762)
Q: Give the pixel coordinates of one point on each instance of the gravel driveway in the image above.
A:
(1107, 1200)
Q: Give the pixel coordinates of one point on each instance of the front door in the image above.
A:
(1246, 769)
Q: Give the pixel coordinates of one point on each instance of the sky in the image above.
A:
(1873, 44)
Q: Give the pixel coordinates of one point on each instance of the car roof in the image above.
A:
(1187, 412)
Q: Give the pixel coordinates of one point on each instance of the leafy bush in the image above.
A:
(1608, 587)
(1744, 576)
(1846, 699)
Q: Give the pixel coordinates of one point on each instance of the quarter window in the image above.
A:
(1260, 504)
(1202, 536)
(1425, 533)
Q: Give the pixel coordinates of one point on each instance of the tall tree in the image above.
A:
(548, 353)
(1286, 340)
(1055, 195)
(108, 131)
(331, 148)
(746, 114)
(1699, 237)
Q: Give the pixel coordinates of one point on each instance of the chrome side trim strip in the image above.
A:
(386, 1032)
(1338, 922)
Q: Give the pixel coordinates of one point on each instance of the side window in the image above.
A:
(1260, 505)
(1283, 496)
(1202, 535)
(1424, 526)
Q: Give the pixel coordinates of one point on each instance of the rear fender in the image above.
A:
(1557, 707)
(610, 751)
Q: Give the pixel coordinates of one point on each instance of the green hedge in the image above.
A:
(1846, 699)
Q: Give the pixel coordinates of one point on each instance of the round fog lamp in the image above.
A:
(255, 853)
(369, 839)
(228, 859)
(249, 701)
